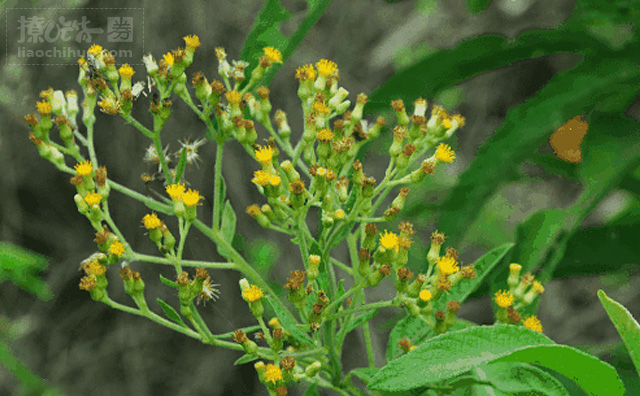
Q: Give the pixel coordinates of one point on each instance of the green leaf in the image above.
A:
(170, 312)
(477, 6)
(446, 68)
(450, 354)
(168, 282)
(591, 374)
(245, 359)
(20, 267)
(528, 126)
(227, 226)
(483, 266)
(364, 373)
(517, 379)
(626, 325)
(288, 323)
(417, 332)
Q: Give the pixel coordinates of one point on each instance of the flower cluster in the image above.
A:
(523, 290)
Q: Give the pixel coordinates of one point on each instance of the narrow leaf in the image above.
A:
(288, 323)
(626, 325)
(245, 359)
(168, 282)
(227, 226)
(170, 312)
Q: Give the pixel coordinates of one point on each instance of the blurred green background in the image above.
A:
(516, 69)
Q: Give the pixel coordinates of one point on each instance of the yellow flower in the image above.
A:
(339, 214)
(504, 299)
(192, 41)
(325, 135)
(175, 191)
(389, 240)
(44, 107)
(126, 71)
(151, 221)
(191, 197)
(320, 108)
(253, 210)
(264, 155)
(515, 267)
(92, 198)
(533, 323)
(252, 293)
(83, 168)
(273, 54)
(447, 123)
(306, 72)
(444, 153)
(447, 265)
(274, 180)
(168, 57)
(117, 248)
(95, 50)
(233, 96)
(261, 178)
(95, 268)
(537, 287)
(272, 373)
(326, 67)
(425, 295)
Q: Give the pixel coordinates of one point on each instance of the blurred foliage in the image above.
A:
(21, 267)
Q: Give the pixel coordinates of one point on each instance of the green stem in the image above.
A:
(187, 263)
(217, 186)
(375, 305)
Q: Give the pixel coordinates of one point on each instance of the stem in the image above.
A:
(375, 305)
(217, 186)
(187, 263)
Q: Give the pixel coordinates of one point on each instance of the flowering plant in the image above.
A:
(301, 333)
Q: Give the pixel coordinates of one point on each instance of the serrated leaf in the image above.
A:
(245, 359)
(168, 282)
(289, 325)
(20, 267)
(364, 373)
(517, 379)
(591, 374)
(626, 325)
(170, 312)
(450, 354)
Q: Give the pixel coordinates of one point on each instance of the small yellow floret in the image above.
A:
(253, 210)
(444, 153)
(272, 373)
(314, 259)
(326, 68)
(537, 287)
(126, 71)
(151, 221)
(504, 299)
(93, 198)
(515, 267)
(274, 180)
(95, 268)
(447, 123)
(83, 168)
(175, 191)
(425, 295)
(168, 58)
(447, 265)
(252, 293)
(389, 240)
(264, 155)
(117, 248)
(339, 214)
(192, 42)
(44, 107)
(320, 108)
(274, 322)
(325, 135)
(306, 72)
(95, 50)
(273, 54)
(261, 178)
(191, 197)
(234, 97)
(533, 323)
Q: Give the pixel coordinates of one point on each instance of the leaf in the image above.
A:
(227, 226)
(450, 354)
(591, 374)
(417, 332)
(20, 267)
(517, 379)
(354, 323)
(289, 324)
(364, 373)
(483, 266)
(312, 390)
(245, 359)
(626, 325)
(527, 127)
(170, 312)
(446, 68)
(168, 282)
(477, 6)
